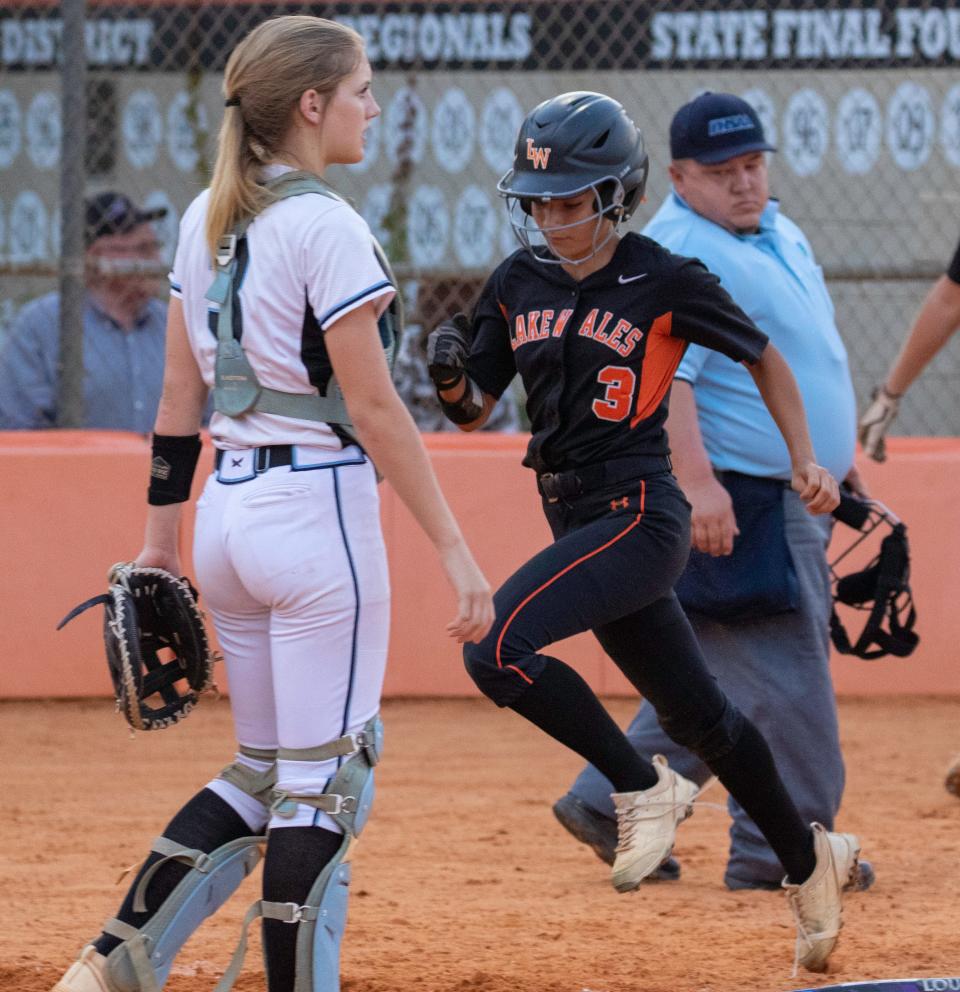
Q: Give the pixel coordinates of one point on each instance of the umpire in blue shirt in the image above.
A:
(757, 587)
(124, 325)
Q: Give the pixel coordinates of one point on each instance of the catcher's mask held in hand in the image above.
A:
(882, 589)
(149, 611)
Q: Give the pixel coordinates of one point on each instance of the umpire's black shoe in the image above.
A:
(952, 782)
(862, 878)
(599, 833)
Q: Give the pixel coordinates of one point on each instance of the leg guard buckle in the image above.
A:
(322, 920)
(349, 797)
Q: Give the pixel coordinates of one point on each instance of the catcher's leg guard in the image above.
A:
(321, 921)
(323, 917)
(143, 961)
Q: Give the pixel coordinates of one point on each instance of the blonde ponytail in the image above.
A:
(264, 78)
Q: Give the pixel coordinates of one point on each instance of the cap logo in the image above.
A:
(539, 156)
(727, 125)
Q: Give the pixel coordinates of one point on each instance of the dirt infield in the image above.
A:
(463, 882)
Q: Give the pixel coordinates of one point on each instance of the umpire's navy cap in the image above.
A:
(114, 213)
(715, 127)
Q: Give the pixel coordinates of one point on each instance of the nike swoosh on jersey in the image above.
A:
(624, 279)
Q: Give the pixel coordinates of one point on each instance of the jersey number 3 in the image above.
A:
(617, 401)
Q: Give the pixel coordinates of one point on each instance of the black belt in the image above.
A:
(564, 485)
(723, 474)
(272, 456)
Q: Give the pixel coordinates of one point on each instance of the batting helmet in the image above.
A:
(571, 143)
(881, 589)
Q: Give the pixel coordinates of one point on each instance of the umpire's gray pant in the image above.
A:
(777, 672)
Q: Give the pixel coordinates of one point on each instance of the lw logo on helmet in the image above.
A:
(539, 156)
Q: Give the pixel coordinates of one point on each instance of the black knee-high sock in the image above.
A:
(749, 774)
(205, 823)
(295, 857)
(561, 703)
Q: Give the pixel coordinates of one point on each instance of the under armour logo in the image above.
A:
(160, 468)
(236, 462)
(539, 156)
(621, 504)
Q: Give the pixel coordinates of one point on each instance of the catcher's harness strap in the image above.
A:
(237, 391)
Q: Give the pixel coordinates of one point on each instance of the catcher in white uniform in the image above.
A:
(288, 550)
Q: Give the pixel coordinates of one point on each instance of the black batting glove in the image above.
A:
(447, 348)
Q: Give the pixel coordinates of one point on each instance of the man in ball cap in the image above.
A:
(757, 587)
(115, 213)
(123, 329)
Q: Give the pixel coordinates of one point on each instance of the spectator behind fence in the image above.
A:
(123, 330)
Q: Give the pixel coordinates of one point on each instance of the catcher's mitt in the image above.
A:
(149, 611)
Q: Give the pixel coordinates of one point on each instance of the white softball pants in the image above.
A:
(292, 568)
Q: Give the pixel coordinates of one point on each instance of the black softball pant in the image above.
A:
(611, 570)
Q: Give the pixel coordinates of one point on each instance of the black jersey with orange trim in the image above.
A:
(597, 357)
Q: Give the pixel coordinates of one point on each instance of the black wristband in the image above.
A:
(172, 464)
(466, 409)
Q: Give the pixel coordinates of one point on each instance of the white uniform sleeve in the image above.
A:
(176, 283)
(188, 223)
(342, 270)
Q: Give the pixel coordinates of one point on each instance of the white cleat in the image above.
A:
(647, 824)
(816, 904)
(87, 974)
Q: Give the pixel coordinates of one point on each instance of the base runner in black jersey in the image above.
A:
(595, 324)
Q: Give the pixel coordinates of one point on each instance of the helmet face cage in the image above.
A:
(566, 145)
(532, 236)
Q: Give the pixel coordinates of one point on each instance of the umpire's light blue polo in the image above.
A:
(773, 277)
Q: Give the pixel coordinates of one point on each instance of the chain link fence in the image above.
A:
(860, 98)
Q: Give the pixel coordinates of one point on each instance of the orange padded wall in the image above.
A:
(73, 502)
